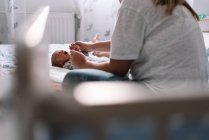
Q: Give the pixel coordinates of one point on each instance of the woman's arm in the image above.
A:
(98, 46)
(101, 46)
(118, 67)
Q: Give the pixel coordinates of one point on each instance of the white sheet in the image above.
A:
(8, 61)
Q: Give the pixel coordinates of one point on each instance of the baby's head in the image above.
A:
(59, 58)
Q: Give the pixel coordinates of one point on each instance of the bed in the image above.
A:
(56, 75)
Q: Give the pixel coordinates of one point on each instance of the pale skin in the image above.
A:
(101, 54)
(100, 49)
(98, 46)
(59, 58)
(118, 67)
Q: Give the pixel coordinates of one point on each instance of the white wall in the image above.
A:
(23, 6)
(97, 15)
(3, 23)
(201, 6)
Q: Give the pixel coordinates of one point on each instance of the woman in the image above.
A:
(159, 41)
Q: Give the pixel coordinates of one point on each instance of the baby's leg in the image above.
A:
(96, 38)
(101, 54)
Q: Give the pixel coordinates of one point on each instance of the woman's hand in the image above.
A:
(75, 47)
(82, 46)
(78, 59)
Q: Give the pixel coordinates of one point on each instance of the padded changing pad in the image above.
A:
(8, 61)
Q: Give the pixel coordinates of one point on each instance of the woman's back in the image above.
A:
(172, 52)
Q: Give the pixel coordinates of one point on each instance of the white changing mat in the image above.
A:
(8, 61)
(57, 74)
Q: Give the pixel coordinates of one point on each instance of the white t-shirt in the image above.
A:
(168, 51)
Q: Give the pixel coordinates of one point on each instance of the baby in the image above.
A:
(61, 58)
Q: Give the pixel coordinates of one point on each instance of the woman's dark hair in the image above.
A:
(171, 4)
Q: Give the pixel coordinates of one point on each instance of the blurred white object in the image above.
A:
(206, 39)
(32, 52)
(32, 69)
(110, 93)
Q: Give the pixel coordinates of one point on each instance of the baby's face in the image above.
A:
(61, 57)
